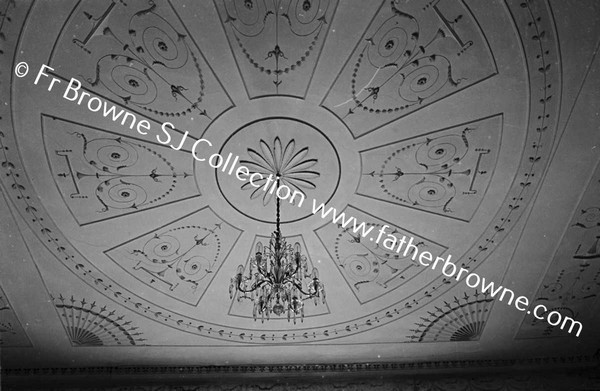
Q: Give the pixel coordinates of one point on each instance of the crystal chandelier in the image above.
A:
(277, 280)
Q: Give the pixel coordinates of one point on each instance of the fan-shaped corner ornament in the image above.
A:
(88, 324)
(462, 319)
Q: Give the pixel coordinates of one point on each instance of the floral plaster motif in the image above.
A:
(291, 165)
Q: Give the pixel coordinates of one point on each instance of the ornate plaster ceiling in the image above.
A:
(460, 123)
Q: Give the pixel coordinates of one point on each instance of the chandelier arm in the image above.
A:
(253, 288)
(297, 268)
(301, 290)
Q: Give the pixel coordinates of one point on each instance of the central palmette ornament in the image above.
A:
(277, 280)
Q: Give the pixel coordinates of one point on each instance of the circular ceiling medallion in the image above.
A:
(295, 151)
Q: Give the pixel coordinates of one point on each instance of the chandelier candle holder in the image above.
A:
(277, 280)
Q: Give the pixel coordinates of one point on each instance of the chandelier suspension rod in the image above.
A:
(278, 220)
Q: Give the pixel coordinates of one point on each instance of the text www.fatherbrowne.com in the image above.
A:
(168, 134)
(448, 268)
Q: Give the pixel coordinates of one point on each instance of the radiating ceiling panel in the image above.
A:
(410, 56)
(373, 268)
(276, 44)
(140, 55)
(179, 259)
(102, 176)
(445, 172)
